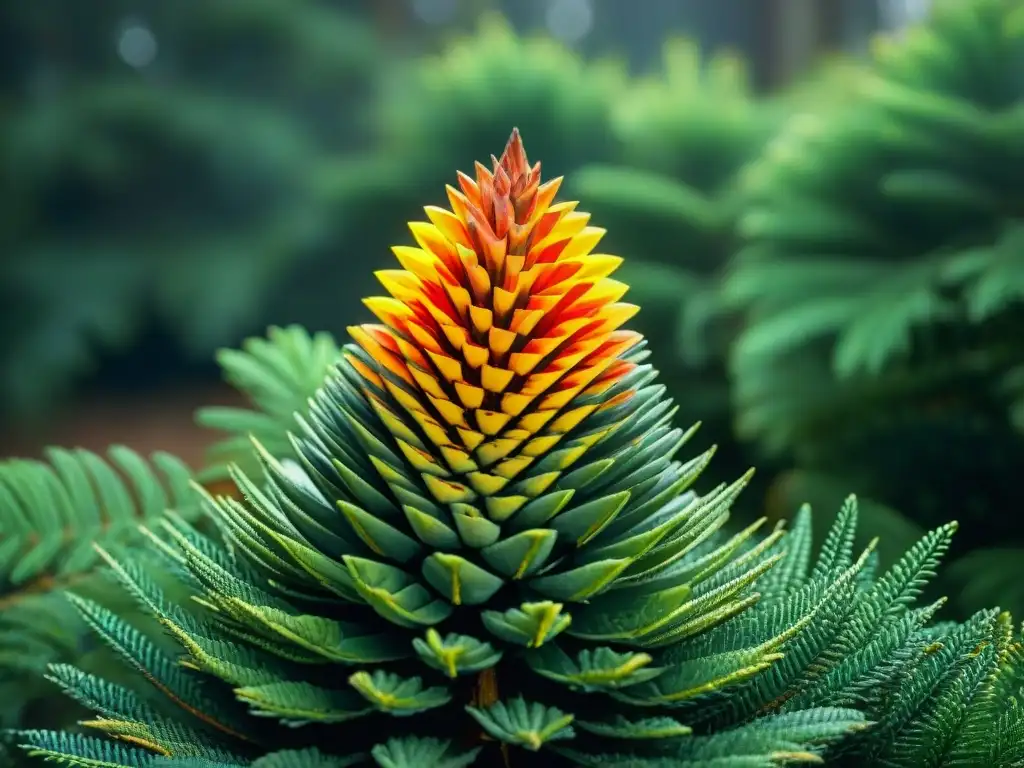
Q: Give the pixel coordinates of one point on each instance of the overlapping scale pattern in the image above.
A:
(500, 326)
(483, 404)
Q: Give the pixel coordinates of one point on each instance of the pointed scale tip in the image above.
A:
(513, 159)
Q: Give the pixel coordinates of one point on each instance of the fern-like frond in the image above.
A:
(278, 375)
(53, 514)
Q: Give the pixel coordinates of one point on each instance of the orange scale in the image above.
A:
(568, 328)
(431, 312)
(504, 302)
(584, 242)
(514, 403)
(545, 196)
(513, 268)
(434, 293)
(484, 180)
(524, 281)
(449, 224)
(613, 316)
(481, 318)
(470, 190)
(429, 238)
(456, 335)
(388, 310)
(525, 320)
(423, 264)
(602, 385)
(620, 341)
(459, 205)
(571, 419)
(550, 215)
(543, 347)
(470, 437)
(491, 422)
(547, 253)
(605, 291)
(365, 371)
(551, 276)
(450, 368)
(534, 422)
(542, 304)
(449, 411)
(379, 333)
(595, 329)
(522, 363)
(459, 298)
(412, 353)
(493, 247)
(479, 283)
(471, 397)
(500, 341)
(558, 400)
(609, 377)
(539, 383)
(553, 316)
(519, 241)
(468, 257)
(401, 284)
(566, 359)
(424, 337)
(570, 225)
(429, 384)
(495, 379)
(594, 266)
(576, 380)
(475, 355)
(387, 360)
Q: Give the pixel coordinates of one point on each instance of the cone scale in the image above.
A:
(499, 319)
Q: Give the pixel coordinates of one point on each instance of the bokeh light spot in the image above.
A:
(570, 20)
(137, 45)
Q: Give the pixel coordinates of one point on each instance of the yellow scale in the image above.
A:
(444, 278)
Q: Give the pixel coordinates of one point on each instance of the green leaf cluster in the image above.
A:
(881, 276)
(53, 515)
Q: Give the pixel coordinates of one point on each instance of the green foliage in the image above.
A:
(145, 193)
(337, 598)
(669, 198)
(52, 515)
(882, 275)
(279, 375)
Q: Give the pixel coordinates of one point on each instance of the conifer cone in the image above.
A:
(483, 546)
(502, 463)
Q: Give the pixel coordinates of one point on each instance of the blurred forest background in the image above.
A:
(821, 204)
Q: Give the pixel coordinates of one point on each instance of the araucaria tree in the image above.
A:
(483, 547)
